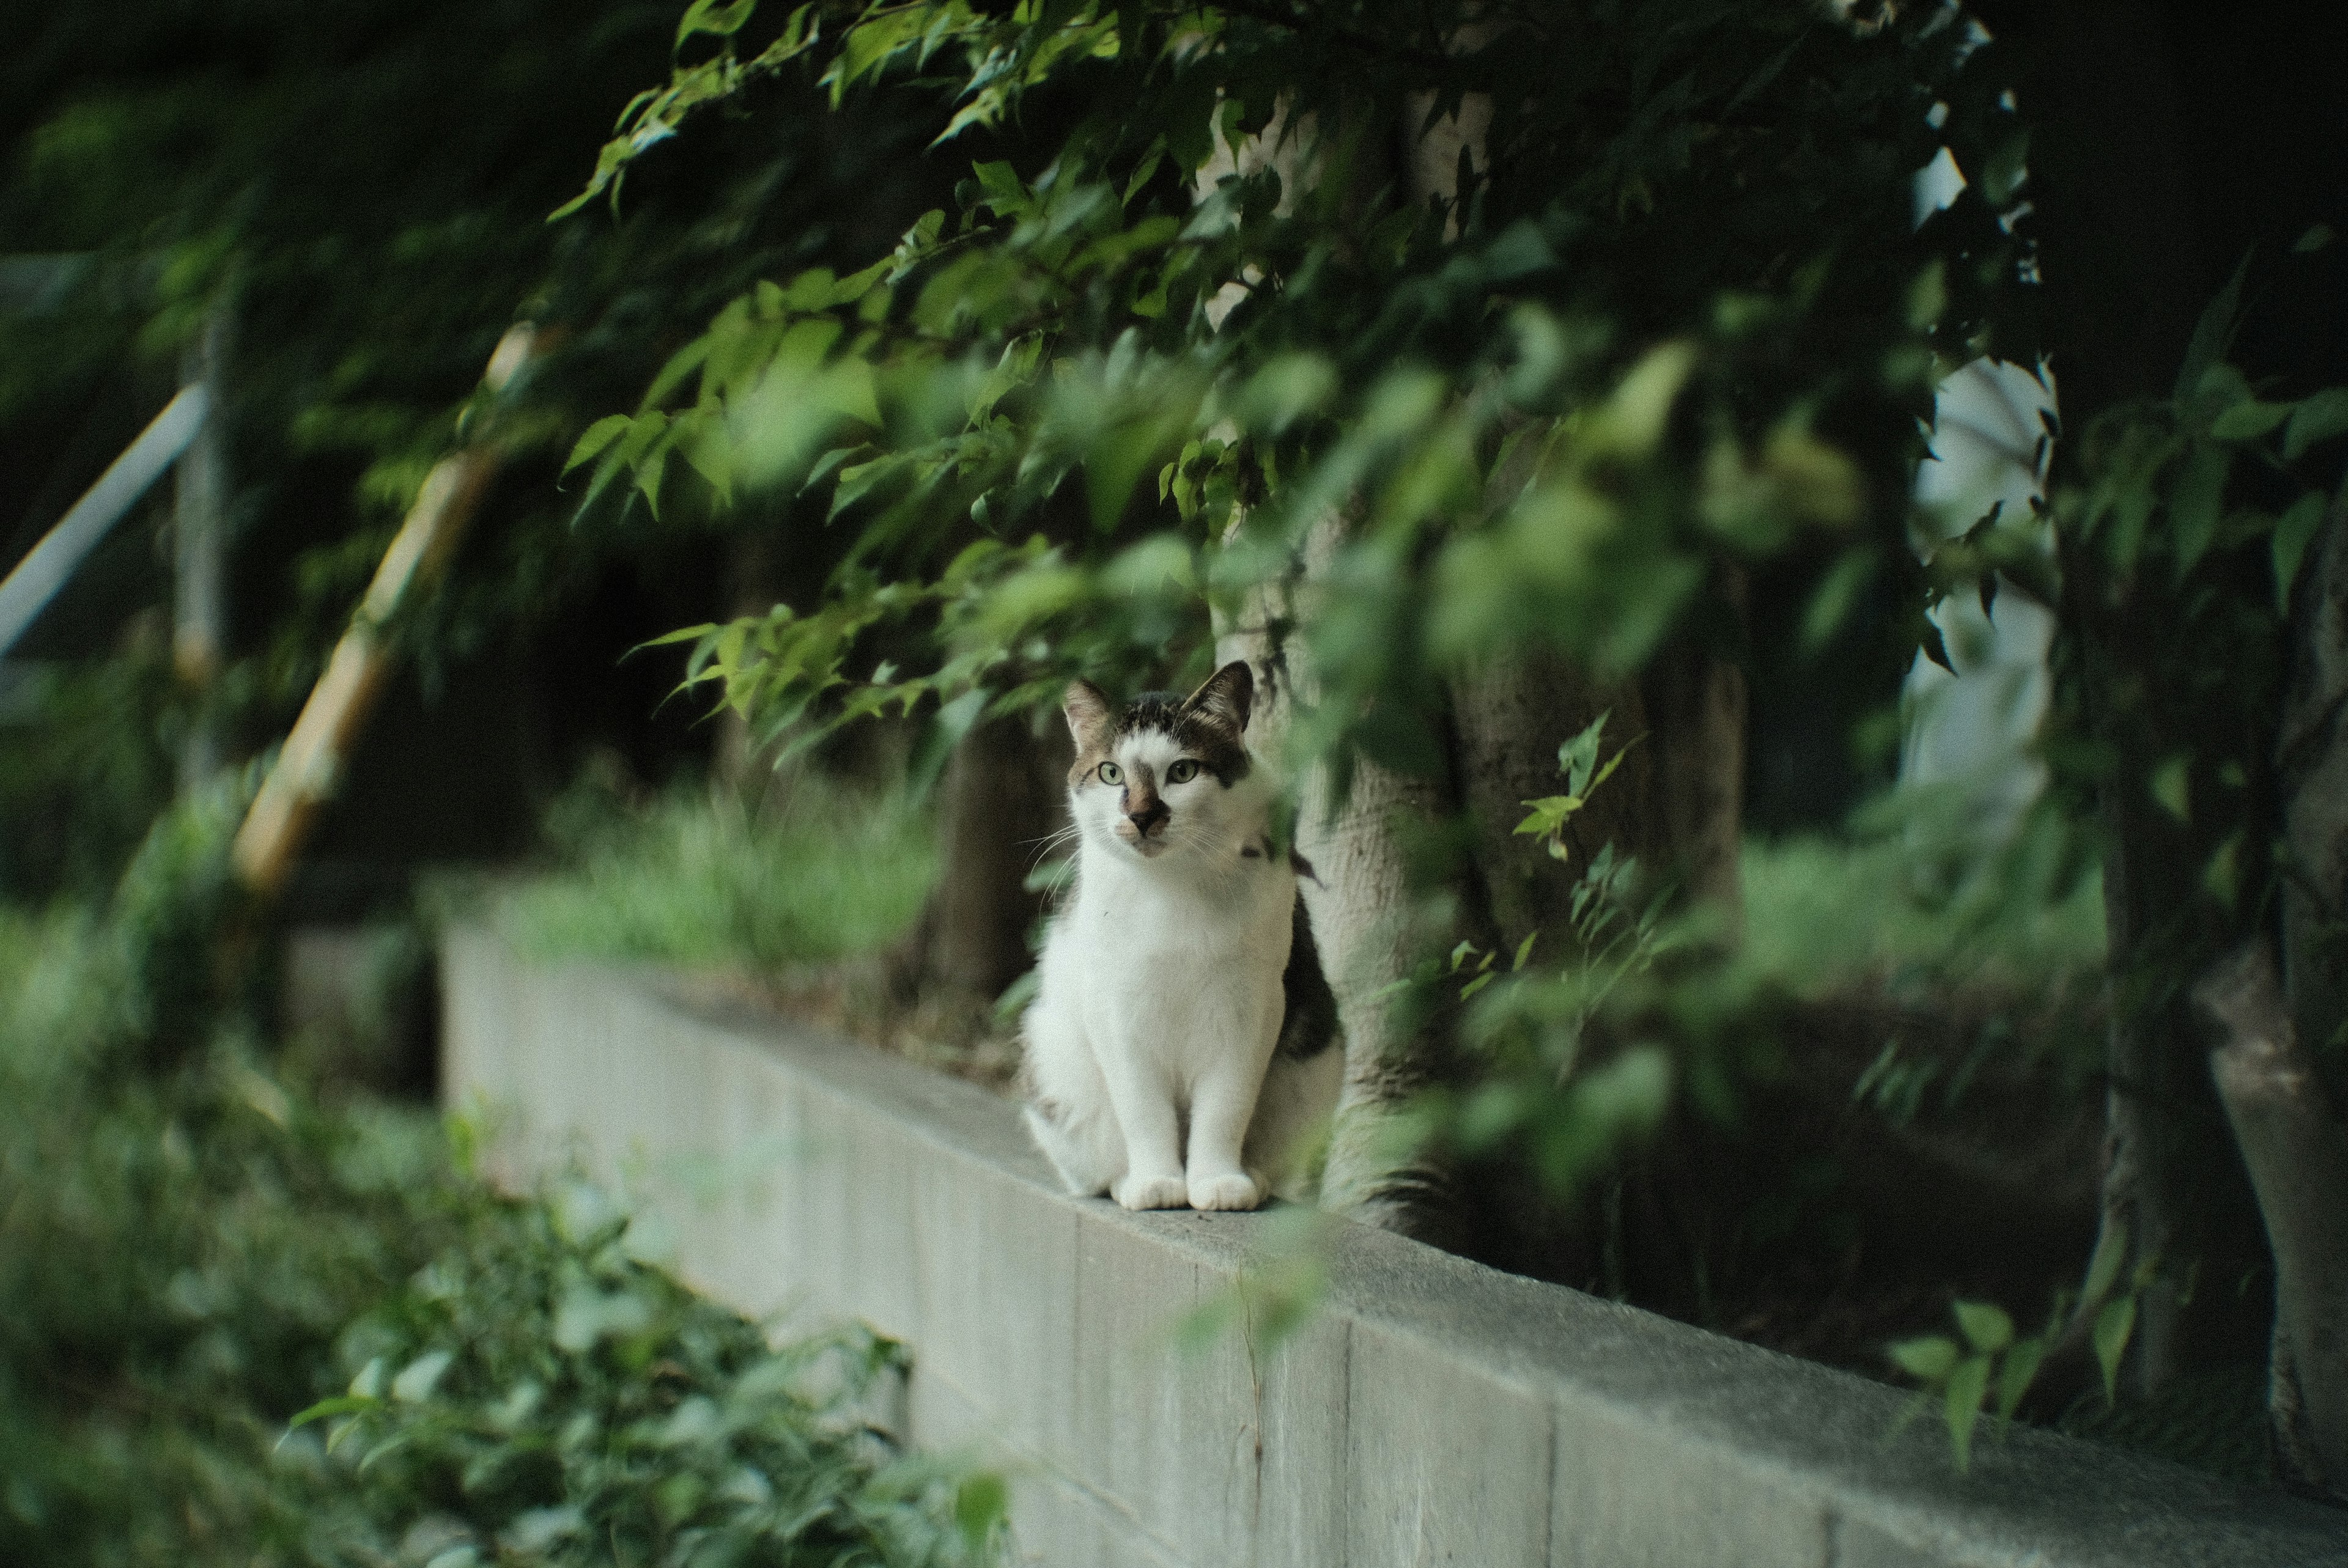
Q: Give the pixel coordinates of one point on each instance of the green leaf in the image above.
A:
(420, 1376)
(1577, 758)
(2317, 419)
(2103, 1268)
(340, 1405)
(1930, 641)
(714, 17)
(2317, 237)
(1967, 1386)
(2212, 334)
(1831, 603)
(1928, 1359)
(2197, 503)
(2113, 1326)
(2249, 421)
(1524, 951)
(2018, 1372)
(2171, 786)
(595, 437)
(980, 1504)
(1986, 1327)
(2293, 532)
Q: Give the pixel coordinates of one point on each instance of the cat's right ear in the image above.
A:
(1088, 714)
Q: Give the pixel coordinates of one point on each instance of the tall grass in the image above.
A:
(1825, 915)
(696, 878)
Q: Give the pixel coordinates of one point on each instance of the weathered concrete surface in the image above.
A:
(1430, 1411)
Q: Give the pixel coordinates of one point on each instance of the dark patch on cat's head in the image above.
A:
(1211, 724)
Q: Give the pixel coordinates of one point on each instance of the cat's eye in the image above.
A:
(1111, 773)
(1183, 771)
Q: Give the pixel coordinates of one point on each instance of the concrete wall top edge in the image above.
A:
(1801, 1429)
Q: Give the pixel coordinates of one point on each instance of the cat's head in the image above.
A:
(1164, 775)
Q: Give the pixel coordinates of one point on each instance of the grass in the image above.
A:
(698, 879)
(1824, 916)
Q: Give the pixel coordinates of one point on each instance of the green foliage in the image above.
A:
(1826, 917)
(1990, 1363)
(1692, 356)
(537, 1393)
(178, 1253)
(2184, 533)
(190, 1258)
(361, 189)
(1985, 1360)
(1577, 760)
(820, 872)
(85, 765)
(1540, 1085)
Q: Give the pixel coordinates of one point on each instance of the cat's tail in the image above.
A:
(1288, 1137)
(1086, 1151)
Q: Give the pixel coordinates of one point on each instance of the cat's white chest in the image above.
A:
(1173, 970)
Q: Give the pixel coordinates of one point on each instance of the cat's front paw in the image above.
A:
(1235, 1191)
(1150, 1192)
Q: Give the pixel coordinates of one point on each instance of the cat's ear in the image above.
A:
(1226, 698)
(1088, 714)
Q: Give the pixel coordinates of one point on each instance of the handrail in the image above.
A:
(308, 765)
(45, 568)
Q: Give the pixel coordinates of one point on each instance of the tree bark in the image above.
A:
(2123, 284)
(2311, 763)
(2296, 1147)
(1369, 923)
(999, 798)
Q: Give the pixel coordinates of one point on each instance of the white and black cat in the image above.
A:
(1181, 1045)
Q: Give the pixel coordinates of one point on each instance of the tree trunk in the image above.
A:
(1696, 703)
(1372, 922)
(2174, 1193)
(999, 798)
(2270, 1068)
(1369, 924)
(2125, 285)
(2297, 1149)
(2311, 763)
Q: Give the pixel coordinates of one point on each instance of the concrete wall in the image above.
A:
(1429, 1412)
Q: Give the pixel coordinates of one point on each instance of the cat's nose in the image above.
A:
(1146, 819)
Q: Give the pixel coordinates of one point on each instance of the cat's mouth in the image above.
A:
(1145, 844)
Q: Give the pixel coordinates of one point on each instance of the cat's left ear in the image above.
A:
(1226, 697)
(1088, 714)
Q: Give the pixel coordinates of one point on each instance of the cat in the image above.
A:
(1182, 1044)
